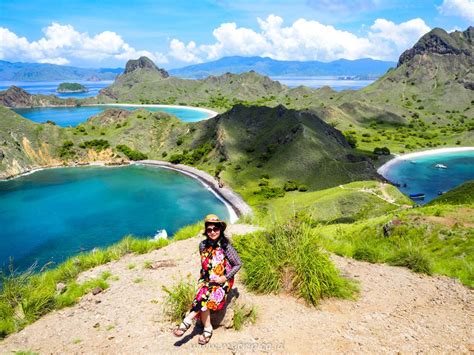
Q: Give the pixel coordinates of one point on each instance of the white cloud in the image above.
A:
(61, 43)
(186, 53)
(398, 37)
(461, 8)
(304, 40)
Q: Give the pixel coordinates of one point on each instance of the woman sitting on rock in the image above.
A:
(219, 263)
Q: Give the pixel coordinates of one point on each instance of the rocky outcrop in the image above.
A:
(440, 42)
(144, 63)
(15, 97)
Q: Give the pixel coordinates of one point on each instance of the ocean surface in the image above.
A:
(72, 116)
(55, 213)
(316, 82)
(421, 176)
(49, 87)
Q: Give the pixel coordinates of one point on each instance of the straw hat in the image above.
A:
(212, 218)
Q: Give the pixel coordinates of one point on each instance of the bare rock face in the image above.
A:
(15, 97)
(144, 63)
(438, 41)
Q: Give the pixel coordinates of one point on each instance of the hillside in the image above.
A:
(52, 72)
(239, 145)
(421, 313)
(362, 68)
(463, 194)
(425, 102)
(150, 84)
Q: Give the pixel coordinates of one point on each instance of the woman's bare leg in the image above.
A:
(206, 318)
(188, 320)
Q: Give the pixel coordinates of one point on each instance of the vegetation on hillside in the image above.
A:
(287, 258)
(71, 87)
(26, 296)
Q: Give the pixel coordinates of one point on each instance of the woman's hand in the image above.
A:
(221, 279)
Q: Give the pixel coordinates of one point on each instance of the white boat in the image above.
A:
(441, 166)
(161, 234)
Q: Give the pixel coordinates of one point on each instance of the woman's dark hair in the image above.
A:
(222, 240)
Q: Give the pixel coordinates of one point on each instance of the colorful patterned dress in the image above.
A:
(215, 262)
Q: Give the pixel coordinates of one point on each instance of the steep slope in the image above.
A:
(150, 84)
(463, 194)
(427, 101)
(239, 145)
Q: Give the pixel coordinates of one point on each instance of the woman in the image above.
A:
(219, 263)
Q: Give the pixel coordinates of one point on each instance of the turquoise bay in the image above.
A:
(419, 174)
(72, 116)
(55, 213)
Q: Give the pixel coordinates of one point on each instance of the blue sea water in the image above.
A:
(421, 176)
(72, 116)
(49, 87)
(55, 213)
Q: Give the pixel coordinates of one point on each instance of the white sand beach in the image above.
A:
(384, 168)
(205, 110)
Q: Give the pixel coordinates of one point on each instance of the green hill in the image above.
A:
(463, 194)
(239, 145)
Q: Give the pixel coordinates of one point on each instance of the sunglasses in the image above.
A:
(212, 229)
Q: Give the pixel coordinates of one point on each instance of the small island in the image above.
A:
(71, 87)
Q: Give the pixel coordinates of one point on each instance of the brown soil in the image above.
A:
(396, 311)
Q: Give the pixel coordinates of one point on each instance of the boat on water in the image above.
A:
(441, 166)
(161, 234)
(420, 196)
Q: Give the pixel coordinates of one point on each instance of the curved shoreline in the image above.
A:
(385, 167)
(205, 110)
(234, 202)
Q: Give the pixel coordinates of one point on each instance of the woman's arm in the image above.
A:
(234, 259)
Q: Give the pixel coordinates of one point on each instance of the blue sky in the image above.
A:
(177, 33)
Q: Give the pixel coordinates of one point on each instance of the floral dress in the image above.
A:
(215, 262)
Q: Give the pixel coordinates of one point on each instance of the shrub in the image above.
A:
(96, 144)
(66, 150)
(287, 257)
(351, 139)
(179, 299)
(413, 259)
(131, 153)
(382, 151)
(290, 185)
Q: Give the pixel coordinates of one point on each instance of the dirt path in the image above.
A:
(397, 311)
(386, 196)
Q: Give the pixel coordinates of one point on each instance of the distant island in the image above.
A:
(71, 87)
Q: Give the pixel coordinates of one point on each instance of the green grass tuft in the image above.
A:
(244, 314)
(26, 296)
(413, 259)
(179, 299)
(189, 231)
(288, 258)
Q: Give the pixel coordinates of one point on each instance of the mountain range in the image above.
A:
(361, 68)
(51, 72)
